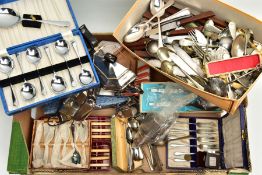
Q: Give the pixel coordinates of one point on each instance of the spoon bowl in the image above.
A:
(85, 77)
(152, 47)
(6, 65)
(238, 46)
(133, 124)
(137, 153)
(33, 55)
(76, 158)
(58, 84)
(28, 91)
(61, 47)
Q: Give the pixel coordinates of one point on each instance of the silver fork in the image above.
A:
(198, 49)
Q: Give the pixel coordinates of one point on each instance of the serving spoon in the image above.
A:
(9, 18)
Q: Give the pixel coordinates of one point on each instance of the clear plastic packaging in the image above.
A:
(155, 126)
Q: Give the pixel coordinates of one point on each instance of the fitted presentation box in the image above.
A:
(222, 11)
(17, 39)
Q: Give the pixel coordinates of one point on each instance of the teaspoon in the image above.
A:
(155, 8)
(57, 83)
(85, 76)
(34, 56)
(62, 48)
(130, 140)
(6, 67)
(28, 90)
(76, 158)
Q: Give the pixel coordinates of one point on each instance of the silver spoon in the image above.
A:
(155, 8)
(6, 67)
(57, 83)
(62, 48)
(28, 90)
(85, 76)
(137, 153)
(130, 139)
(34, 56)
(226, 42)
(133, 124)
(238, 46)
(137, 31)
(8, 18)
(76, 158)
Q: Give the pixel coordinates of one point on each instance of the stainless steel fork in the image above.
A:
(202, 53)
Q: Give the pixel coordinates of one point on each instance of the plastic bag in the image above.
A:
(156, 125)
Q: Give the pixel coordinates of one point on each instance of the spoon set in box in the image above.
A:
(43, 56)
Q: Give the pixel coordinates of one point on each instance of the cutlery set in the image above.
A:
(188, 138)
(62, 146)
(34, 56)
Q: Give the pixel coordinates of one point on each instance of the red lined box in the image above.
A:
(232, 65)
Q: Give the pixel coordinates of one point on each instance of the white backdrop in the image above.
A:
(104, 16)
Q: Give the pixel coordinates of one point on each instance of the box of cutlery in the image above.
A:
(64, 147)
(43, 54)
(180, 39)
(209, 144)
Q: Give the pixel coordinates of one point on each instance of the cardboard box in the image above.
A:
(222, 11)
(24, 123)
